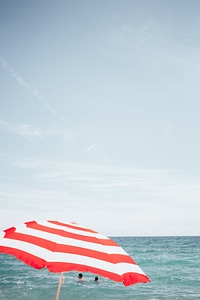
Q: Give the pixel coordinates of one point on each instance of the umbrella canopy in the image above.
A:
(63, 247)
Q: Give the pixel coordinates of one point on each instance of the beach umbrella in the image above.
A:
(63, 247)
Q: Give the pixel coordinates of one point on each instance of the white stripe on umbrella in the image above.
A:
(69, 241)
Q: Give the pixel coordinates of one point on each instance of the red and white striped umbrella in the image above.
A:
(63, 247)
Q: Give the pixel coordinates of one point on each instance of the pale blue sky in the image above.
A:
(99, 114)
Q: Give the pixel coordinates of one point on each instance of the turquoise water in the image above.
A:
(172, 263)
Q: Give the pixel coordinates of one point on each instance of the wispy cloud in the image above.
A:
(156, 183)
(26, 130)
(26, 85)
(63, 189)
(125, 35)
(118, 186)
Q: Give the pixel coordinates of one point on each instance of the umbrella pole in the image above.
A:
(61, 281)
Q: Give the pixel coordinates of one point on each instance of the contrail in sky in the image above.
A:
(94, 148)
(35, 92)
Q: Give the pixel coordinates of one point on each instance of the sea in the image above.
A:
(172, 264)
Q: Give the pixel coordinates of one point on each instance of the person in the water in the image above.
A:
(80, 277)
(96, 279)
